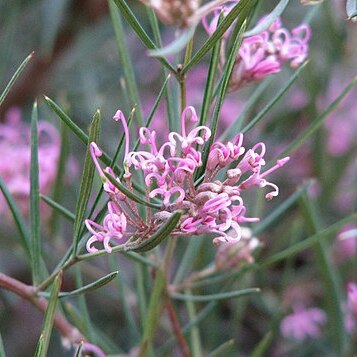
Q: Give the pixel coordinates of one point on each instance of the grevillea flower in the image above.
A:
(303, 323)
(169, 171)
(265, 53)
(181, 12)
(16, 157)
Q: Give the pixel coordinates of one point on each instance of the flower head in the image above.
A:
(212, 206)
(16, 157)
(265, 53)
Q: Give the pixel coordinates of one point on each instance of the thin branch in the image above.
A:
(28, 292)
(177, 329)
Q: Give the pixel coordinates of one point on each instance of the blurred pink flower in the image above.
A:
(341, 125)
(350, 308)
(234, 254)
(265, 53)
(16, 157)
(184, 13)
(303, 323)
(345, 245)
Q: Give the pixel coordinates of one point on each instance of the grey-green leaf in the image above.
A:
(242, 6)
(223, 349)
(131, 195)
(177, 45)
(34, 200)
(48, 322)
(268, 20)
(14, 78)
(212, 297)
(62, 210)
(162, 233)
(89, 287)
(86, 182)
(19, 219)
(276, 98)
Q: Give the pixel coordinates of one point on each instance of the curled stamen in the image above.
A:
(120, 116)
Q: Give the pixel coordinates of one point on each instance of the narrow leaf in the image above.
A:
(144, 37)
(276, 98)
(261, 349)
(223, 349)
(268, 20)
(126, 62)
(67, 120)
(162, 233)
(153, 313)
(2, 349)
(99, 338)
(19, 219)
(59, 181)
(90, 287)
(241, 24)
(308, 242)
(14, 78)
(123, 291)
(34, 200)
(59, 208)
(242, 6)
(317, 122)
(211, 77)
(281, 209)
(130, 194)
(84, 137)
(49, 318)
(177, 45)
(86, 182)
(329, 277)
(215, 297)
(236, 126)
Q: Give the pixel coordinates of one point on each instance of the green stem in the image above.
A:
(329, 277)
(156, 303)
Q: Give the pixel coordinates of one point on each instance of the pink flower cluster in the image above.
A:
(16, 157)
(213, 206)
(303, 323)
(265, 53)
